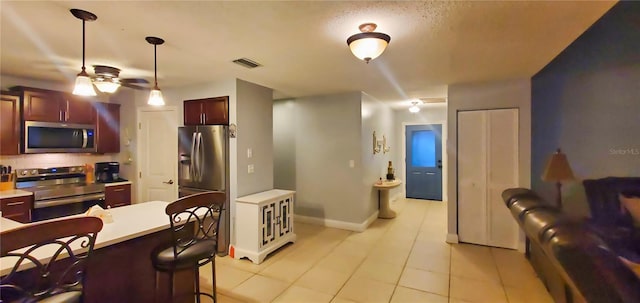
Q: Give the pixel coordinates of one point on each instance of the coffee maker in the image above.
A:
(107, 172)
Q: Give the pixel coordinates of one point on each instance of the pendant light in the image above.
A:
(83, 86)
(368, 44)
(155, 97)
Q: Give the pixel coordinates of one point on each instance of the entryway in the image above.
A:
(423, 161)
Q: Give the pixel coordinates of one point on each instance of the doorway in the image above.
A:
(423, 161)
(157, 154)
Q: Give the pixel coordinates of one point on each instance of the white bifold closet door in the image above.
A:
(487, 165)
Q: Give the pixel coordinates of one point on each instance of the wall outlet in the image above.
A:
(352, 163)
(250, 169)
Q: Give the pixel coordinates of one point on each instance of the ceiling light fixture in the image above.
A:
(83, 85)
(106, 79)
(368, 44)
(414, 108)
(155, 97)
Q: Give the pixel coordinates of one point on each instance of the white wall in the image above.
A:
(255, 132)
(378, 117)
(429, 114)
(493, 95)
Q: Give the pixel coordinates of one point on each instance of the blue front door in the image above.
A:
(424, 161)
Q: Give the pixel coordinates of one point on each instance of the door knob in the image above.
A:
(168, 182)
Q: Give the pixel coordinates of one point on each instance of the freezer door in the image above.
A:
(210, 160)
(186, 159)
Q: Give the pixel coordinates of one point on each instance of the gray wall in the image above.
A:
(324, 132)
(501, 94)
(255, 132)
(284, 145)
(585, 101)
(429, 114)
(378, 117)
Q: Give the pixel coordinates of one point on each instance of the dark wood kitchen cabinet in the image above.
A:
(9, 123)
(53, 106)
(107, 127)
(208, 111)
(17, 208)
(117, 195)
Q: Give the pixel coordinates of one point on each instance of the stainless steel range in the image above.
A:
(59, 191)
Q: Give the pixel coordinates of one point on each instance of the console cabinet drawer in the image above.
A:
(17, 209)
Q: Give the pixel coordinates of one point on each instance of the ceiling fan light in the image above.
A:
(414, 109)
(109, 86)
(83, 85)
(155, 97)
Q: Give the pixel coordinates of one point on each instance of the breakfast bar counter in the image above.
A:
(121, 268)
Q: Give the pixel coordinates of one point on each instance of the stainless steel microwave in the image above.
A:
(54, 137)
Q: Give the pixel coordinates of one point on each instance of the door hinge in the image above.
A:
(139, 125)
(140, 175)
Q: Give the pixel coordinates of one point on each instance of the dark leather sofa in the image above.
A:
(569, 256)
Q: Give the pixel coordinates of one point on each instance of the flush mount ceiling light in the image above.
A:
(155, 97)
(83, 85)
(414, 108)
(368, 44)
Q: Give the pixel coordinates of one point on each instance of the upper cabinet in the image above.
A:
(9, 123)
(52, 106)
(108, 127)
(208, 111)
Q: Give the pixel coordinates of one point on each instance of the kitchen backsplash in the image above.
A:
(53, 160)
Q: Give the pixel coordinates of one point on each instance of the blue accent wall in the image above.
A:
(587, 102)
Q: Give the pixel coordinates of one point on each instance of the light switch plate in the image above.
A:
(249, 153)
(352, 163)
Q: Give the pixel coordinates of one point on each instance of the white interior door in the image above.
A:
(158, 154)
(472, 168)
(502, 174)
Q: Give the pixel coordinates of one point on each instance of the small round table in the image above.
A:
(383, 188)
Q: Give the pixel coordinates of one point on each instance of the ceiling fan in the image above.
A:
(106, 80)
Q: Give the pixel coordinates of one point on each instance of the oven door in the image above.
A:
(62, 207)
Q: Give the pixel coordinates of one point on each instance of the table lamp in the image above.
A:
(558, 170)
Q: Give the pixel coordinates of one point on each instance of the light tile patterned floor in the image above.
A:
(405, 259)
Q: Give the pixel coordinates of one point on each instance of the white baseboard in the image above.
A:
(359, 227)
(452, 238)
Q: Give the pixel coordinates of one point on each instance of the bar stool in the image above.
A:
(69, 244)
(192, 246)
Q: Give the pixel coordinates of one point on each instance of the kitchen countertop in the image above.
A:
(127, 224)
(13, 193)
(117, 183)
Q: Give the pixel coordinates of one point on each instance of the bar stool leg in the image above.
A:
(213, 279)
(197, 281)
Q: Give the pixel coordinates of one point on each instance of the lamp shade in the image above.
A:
(83, 86)
(106, 85)
(558, 168)
(155, 97)
(368, 46)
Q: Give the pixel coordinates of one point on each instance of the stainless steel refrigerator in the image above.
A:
(204, 166)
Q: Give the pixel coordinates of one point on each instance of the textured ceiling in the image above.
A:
(301, 44)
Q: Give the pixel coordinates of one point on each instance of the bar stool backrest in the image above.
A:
(69, 244)
(205, 210)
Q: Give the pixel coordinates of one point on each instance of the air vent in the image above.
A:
(433, 100)
(248, 63)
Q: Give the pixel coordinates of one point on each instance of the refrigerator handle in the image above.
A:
(201, 156)
(192, 173)
(197, 155)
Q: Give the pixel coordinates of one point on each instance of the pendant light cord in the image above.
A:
(155, 65)
(83, 69)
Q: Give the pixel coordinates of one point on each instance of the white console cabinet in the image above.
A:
(264, 222)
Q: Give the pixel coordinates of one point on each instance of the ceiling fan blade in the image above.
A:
(136, 86)
(134, 80)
